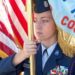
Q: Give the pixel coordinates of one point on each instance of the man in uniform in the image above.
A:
(50, 59)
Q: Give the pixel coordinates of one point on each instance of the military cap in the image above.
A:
(41, 6)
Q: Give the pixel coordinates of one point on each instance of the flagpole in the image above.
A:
(30, 35)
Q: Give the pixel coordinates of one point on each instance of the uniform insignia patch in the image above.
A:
(58, 70)
(45, 4)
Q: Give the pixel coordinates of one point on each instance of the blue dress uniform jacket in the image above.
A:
(72, 67)
(7, 67)
(57, 58)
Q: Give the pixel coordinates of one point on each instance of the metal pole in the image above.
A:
(30, 35)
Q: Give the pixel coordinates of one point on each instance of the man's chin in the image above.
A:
(40, 39)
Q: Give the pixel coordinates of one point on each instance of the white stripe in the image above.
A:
(16, 22)
(8, 42)
(22, 8)
(4, 19)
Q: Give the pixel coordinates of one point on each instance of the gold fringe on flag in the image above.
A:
(66, 42)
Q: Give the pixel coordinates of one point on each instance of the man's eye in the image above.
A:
(45, 21)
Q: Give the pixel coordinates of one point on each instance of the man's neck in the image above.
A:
(49, 42)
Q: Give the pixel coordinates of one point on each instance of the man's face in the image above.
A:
(44, 26)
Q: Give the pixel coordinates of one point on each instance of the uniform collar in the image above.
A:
(50, 49)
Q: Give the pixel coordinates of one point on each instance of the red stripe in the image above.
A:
(6, 49)
(19, 15)
(17, 35)
(4, 30)
(13, 27)
(24, 2)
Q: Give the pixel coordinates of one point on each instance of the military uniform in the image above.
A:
(72, 67)
(57, 63)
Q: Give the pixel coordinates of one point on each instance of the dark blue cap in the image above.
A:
(41, 6)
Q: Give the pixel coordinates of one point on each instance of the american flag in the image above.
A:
(13, 26)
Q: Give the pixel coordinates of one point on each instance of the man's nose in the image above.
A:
(39, 24)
